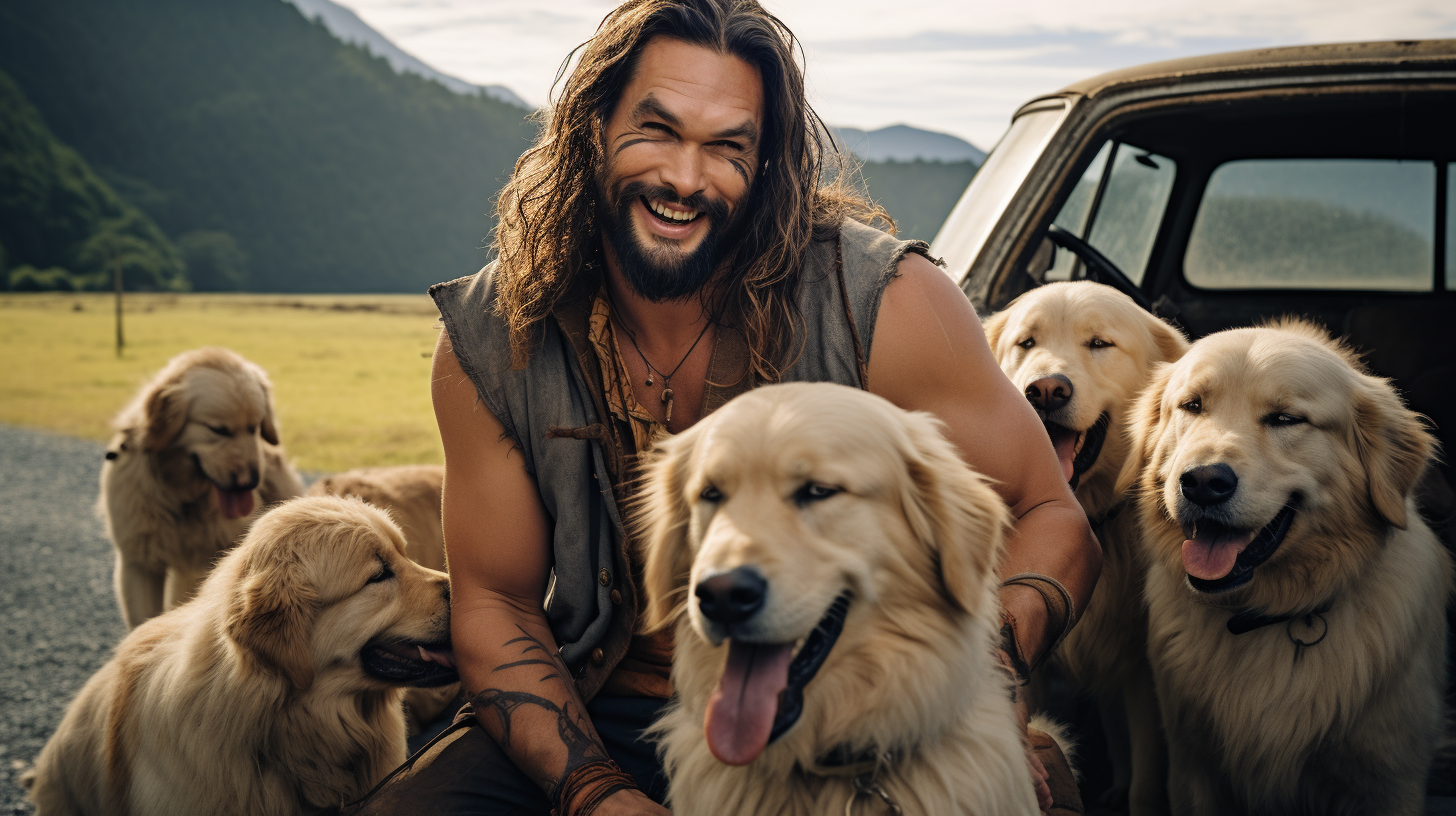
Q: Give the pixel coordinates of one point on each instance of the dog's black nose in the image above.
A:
(733, 596)
(1050, 393)
(1209, 484)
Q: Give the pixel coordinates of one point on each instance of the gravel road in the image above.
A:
(57, 610)
(59, 614)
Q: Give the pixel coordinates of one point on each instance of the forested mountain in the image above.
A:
(278, 158)
(62, 227)
(240, 125)
(918, 194)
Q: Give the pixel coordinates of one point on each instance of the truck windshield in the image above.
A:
(964, 233)
(1117, 207)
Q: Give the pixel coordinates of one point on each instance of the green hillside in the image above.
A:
(61, 227)
(274, 155)
(918, 194)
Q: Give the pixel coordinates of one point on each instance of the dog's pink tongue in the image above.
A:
(1064, 440)
(1211, 557)
(741, 711)
(234, 503)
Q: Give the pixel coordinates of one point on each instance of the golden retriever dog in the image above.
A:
(1082, 352)
(1297, 626)
(194, 457)
(829, 565)
(412, 495)
(276, 690)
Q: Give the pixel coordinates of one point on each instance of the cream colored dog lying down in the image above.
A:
(1297, 601)
(829, 564)
(275, 691)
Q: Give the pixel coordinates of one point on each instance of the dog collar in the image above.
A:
(1251, 619)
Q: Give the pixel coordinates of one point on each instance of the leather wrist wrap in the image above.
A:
(584, 789)
(1061, 617)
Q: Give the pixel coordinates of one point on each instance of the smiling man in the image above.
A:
(669, 242)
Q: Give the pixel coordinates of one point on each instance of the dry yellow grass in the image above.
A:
(350, 372)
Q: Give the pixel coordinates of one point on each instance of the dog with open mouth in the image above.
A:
(1082, 352)
(828, 563)
(195, 455)
(1297, 627)
(276, 690)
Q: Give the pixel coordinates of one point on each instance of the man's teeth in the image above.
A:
(671, 214)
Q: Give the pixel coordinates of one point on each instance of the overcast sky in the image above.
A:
(949, 65)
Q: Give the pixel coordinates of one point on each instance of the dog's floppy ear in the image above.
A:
(1143, 428)
(1394, 447)
(661, 525)
(269, 426)
(954, 513)
(165, 410)
(994, 325)
(271, 615)
(1171, 343)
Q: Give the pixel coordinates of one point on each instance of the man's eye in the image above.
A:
(1098, 343)
(710, 494)
(1027, 343)
(813, 492)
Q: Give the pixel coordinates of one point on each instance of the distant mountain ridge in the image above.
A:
(347, 26)
(904, 143)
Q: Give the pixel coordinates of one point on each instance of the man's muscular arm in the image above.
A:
(929, 354)
(497, 536)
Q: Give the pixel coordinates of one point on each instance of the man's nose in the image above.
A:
(683, 172)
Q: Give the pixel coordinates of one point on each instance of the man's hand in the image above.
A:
(631, 802)
(1039, 775)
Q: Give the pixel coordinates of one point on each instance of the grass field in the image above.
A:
(350, 372)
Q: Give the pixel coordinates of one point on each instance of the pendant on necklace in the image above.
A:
(667, 400)
(649, 379)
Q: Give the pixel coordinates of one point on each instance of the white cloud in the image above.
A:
(944, 65)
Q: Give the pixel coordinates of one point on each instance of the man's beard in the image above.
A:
(661, 273)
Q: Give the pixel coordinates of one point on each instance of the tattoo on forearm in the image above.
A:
(572, 728)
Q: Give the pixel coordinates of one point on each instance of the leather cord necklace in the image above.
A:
(652, 369)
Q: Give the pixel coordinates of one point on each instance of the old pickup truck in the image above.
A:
(1220, 190)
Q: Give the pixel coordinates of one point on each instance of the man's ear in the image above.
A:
(1394, 447)
(954, 514)
(271, 617)
(661, 523)
(1143, 428)
(165, 409)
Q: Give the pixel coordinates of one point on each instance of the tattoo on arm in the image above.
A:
(573, 729)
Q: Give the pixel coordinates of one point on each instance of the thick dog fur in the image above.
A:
(203, 428)
(251, 697)
(1105, 348)
(826, 489)
(412, 495)
(1256, 722)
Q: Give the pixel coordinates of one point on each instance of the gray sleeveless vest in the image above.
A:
(549, 411)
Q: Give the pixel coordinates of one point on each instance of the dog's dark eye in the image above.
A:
(220, 430)
(1098, 343)
(1027, 343)
(1193, 406)
(384, 574)
(1280, 419)
(711, 494)
(812, 492)
(252, 429)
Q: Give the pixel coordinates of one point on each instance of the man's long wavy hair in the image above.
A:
(546, 234)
